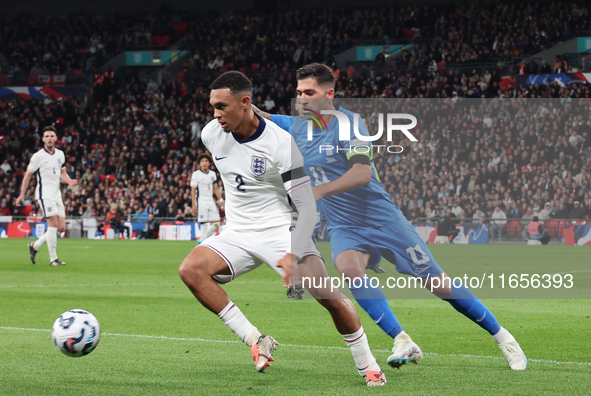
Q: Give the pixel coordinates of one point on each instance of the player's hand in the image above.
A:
(285, 263)
(318, 193)
(194, 212)
(18, 200)
(221, 205)
(73, 182)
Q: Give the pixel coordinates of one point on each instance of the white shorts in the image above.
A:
(52, 207)
(244, 251)
(208, 211)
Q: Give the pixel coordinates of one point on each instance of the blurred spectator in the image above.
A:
(498, 223)
(150, 229)
(447, 225)
(6, 166)
(4, 211)
(576, 212)
(545, 213)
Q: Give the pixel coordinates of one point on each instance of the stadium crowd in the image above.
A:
(33, 45)
(138, 150)
(133, 146)
(440, 35)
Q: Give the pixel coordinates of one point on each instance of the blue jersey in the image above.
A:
(326, 158)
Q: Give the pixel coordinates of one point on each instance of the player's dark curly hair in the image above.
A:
(201, 156)
(235, 81)
(321, 73)
(49, 128)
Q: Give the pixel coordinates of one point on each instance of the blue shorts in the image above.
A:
(398, 243)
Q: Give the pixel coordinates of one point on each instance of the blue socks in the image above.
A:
(374, 302)
(466, 303)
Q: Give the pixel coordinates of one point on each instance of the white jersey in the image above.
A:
(48, 168)
(252, 169)
(204, 183)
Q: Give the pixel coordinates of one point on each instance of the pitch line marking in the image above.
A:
(302, 346)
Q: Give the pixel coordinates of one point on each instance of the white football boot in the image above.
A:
(511, 350)
(404, 351)
(262, 352)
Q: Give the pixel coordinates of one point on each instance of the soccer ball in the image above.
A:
(76, 333)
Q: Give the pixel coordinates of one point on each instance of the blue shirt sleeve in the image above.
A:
(283, 121)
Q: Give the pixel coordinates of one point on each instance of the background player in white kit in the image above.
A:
(204, 181)
(260, 165)
(48, 164)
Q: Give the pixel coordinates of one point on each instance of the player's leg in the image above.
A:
(344, 316)
(213, 219)
(371, 298)
(465, 302)
(52, 227)
(224, 262)
(352, 264)
(52, 211)
(413, 257)
(35, 246)
(52, 236)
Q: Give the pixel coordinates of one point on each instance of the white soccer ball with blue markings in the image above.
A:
(76, 333)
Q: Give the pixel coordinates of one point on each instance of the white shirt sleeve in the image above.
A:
(194, 181)
(34, 164)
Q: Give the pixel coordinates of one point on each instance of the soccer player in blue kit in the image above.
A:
(365, 225)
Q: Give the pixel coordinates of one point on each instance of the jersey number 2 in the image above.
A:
(240, 182)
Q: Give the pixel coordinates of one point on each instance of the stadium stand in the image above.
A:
(134, 144)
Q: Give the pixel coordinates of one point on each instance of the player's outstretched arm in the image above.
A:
(282, 121)
(358, 175)
(218, 195)
(66, 178)
(193, 203)
(260, 112)
(24, 186)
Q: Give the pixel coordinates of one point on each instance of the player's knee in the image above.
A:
(351, 271)
(331, 304)
(440, 286)
(191, 269)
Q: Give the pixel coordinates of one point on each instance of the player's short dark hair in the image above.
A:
(323, 74)
(235, 81)
(201, 156)
(50, 129)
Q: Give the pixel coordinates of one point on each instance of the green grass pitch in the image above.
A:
(158, 340)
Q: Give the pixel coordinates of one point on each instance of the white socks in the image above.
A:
(40, 242)
(51, 237)
(364, 360)
(503, 336)
(235, 320)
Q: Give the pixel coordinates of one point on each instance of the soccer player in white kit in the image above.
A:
(204, 181)
(48, 164)
(260, 166)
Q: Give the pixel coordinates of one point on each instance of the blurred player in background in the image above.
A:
(204, 181)
(261, 167)
(48, 164)
(364, 224)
